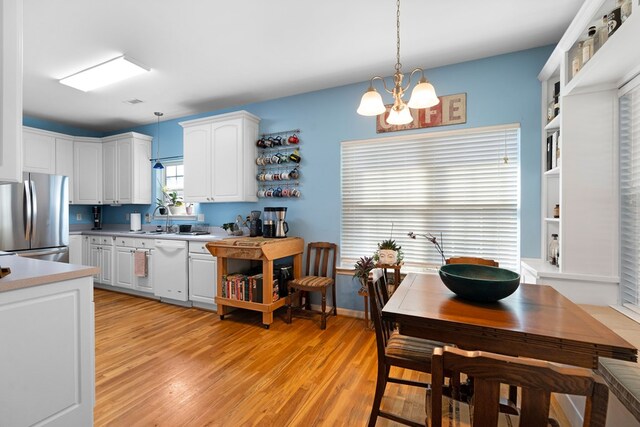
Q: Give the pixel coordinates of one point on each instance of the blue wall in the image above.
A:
(501, 89)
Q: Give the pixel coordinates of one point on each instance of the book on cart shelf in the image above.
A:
(238, 286)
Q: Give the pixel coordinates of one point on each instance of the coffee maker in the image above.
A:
(282, 228)
(269, 223)
(255, 224)
(97, 218)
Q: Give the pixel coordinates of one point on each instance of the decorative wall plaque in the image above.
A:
(451, 110)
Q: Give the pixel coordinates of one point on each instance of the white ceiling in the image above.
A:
(206, 54)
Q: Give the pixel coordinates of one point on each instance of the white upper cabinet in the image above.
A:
(109, 173)
(38, 151)
(197, 161)
(50, 153)
(64, 161)
(219, 158)
(11, 90)
(87, 159)
(111, 170)
(127, 169)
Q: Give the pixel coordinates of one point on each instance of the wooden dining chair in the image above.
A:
(380, 274)
(472, 260)
(321, 274)
(513, 391)
(537, 378)
(397, 350)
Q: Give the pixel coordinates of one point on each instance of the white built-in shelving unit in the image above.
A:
(585, 182)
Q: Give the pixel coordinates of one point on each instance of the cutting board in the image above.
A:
(256, 247)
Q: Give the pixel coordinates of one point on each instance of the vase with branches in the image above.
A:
(430, 237)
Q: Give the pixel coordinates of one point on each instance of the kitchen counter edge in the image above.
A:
(28, 272)
(116, 233)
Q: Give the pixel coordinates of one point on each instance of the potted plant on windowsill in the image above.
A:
(176, 206)
(388, 253)
(161, 207)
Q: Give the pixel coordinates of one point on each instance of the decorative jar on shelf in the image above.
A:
(554, 250)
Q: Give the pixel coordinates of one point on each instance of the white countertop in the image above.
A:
(167, 236)
(27, 272)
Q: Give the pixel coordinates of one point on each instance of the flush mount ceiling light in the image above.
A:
(111, 71)
(422, 96)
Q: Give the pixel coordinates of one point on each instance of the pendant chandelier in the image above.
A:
(422, 96)
(158, 165)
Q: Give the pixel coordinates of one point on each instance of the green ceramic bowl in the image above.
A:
(479, 283)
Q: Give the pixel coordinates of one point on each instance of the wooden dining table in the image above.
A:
(535, 321)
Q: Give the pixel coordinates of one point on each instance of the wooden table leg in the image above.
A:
(222, 271)
(267, 319)
(366, 310)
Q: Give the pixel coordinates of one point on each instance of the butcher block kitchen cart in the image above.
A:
(255, 248)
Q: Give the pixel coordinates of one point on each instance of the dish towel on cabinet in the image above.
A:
(140, 263)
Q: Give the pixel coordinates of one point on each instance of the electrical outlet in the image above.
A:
(78, 217)
(147, 218)
(201, 217)
(126, 216)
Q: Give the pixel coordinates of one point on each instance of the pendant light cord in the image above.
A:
(158, 114)
(398, 64)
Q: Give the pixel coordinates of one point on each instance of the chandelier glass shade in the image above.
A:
(423, 94)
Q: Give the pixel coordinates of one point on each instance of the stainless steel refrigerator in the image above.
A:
(34, 217)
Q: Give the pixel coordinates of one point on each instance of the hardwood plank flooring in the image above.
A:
(163, 365)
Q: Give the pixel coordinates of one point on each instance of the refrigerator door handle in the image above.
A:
(27, 210)
(34, 208)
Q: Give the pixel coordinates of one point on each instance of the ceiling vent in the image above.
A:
(133, 101)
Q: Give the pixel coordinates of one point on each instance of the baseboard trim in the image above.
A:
(342, 311)
(125, 291)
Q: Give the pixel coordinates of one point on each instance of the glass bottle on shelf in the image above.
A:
(602, 33)
(576, 59)
(554, 250)
(625, 9)
(588, 45)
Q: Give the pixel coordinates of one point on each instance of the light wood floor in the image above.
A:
(162, 365)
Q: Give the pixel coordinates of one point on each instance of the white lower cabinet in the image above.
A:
(177, 270)
(101, 256)
(76, 249)
(47, 352)
(124, 269)
(202, 274)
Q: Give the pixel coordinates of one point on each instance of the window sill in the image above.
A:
(176, 217)
(430, 269)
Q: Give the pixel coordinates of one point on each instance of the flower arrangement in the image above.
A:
(430, 237)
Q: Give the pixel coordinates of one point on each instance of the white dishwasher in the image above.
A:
(170, 269)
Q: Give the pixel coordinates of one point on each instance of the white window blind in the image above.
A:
(455, 184)
(630, 198)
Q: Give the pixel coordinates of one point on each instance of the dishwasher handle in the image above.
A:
(171, 244)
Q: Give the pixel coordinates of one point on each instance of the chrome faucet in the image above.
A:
(166, 226)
